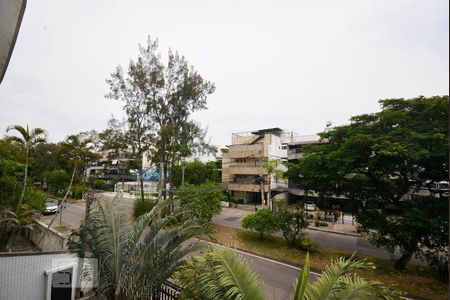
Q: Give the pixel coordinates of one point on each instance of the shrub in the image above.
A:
(264, 222)
(317, 223)
(291, 221)
(307, 244)
(77, 191)
(141, 207)
(323, 224)
(99, 184)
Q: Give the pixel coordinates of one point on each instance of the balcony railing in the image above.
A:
(242, 151)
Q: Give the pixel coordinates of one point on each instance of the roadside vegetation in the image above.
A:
(417, 280)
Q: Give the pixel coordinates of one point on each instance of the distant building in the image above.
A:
(243, 171)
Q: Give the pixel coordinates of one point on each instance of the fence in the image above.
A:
(169, 291)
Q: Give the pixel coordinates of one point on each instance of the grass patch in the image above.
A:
(416, 280)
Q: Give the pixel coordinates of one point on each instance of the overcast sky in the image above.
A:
(289, 64)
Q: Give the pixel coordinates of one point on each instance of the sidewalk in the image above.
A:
(338, 227)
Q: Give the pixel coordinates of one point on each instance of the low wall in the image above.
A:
(52, 240)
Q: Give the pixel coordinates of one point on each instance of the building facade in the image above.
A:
(244, 165)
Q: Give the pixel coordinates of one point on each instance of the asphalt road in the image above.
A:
(231, 217)
(278, 278)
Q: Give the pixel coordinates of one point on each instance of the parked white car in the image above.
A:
(310, 206)
(51, 206)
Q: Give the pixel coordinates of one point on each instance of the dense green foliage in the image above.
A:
(264, 221)
(203, 200)
(141, 207)
(220, 274)
(99, 184)
(135, 257)
(377, 161)
(197, 172)
(57, 181)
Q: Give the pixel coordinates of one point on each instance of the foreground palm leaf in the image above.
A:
(219, 275)
(338, 282)
(134, 258)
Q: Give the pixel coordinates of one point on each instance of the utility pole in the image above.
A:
(161, 181)
(182, 175)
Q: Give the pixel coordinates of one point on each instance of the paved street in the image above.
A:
(231, 217)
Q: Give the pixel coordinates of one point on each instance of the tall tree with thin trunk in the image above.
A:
(29, 139)
(159, 100)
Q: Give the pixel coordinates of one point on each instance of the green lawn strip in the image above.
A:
(415, 280)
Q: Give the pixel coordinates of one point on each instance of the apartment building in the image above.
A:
(244, 173)
(295, 151)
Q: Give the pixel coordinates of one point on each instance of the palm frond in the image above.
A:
(302, 282)
(23, 132)
(220, 274)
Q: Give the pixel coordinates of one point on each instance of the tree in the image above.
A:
(219, 274)
(203, 200)
(263, 221)
(29, 139)
(140, 126)
(197, 172)
(172, 92)
(115, 139)
(378, 161)
(136, 258)
(292, 221)
(57, 180)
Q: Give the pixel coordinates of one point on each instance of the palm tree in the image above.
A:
(79, 148)
(29, 139)
(135, 259)
(220, 274)
(11, 223)
(338, 282)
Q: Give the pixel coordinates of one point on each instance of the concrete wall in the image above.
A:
(22, 275)
(52, 241)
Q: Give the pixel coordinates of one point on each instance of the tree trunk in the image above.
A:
(61, 205)
(400, 264)
(24, 181)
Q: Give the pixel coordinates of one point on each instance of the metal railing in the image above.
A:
(168, 291)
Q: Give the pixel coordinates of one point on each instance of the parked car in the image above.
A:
(51, 206)
(310, 206)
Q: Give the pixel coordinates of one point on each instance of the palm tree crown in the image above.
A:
(136, 258)
(29, 139)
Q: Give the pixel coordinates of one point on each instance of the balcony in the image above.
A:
(295, 153)
(243, 151)
(247, 170)
(247, 187)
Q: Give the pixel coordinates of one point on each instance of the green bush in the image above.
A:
(204, 200)
(291, 221)
(34, 198)
(77, 191)
(323, 224)
(307, 244)
(99, 184)
(264, 222)
(141, 207)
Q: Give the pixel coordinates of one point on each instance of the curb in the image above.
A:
(335, 232)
